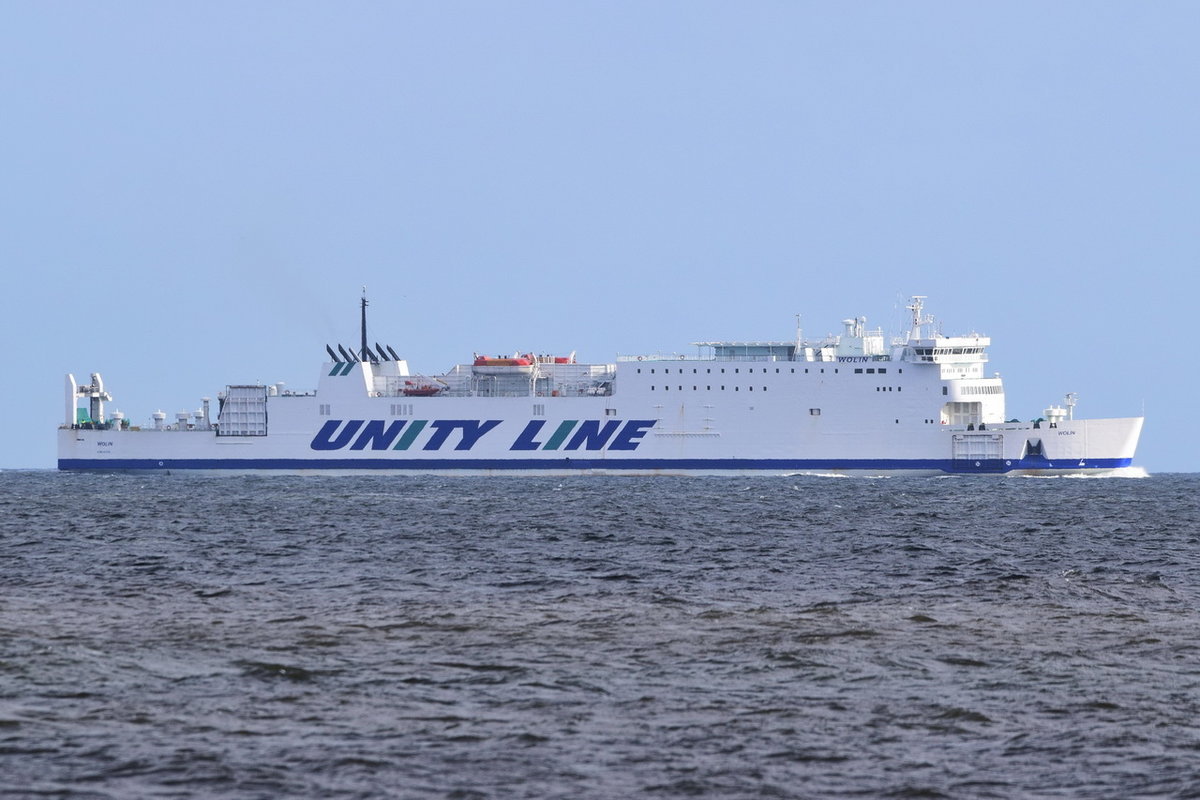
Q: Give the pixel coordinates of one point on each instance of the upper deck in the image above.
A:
(856, 343)
(381, 373)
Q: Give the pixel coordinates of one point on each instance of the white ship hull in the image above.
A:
(840, 407)
(1111, 441)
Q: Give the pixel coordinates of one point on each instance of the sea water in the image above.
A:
(232, 637)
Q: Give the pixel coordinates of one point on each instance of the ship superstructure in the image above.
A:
(848, 404)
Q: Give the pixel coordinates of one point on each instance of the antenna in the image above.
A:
(918, 320)
(367, 355)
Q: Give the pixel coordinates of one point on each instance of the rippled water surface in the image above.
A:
(178, 636)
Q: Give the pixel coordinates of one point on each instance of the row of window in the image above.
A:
(792, 370)
(947, 351)
(709, 388)
(708, 370)
(666, 388)
(983, 390)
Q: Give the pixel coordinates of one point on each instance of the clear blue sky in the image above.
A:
(193, 194)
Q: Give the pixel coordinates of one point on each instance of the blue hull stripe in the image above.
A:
(636, 464)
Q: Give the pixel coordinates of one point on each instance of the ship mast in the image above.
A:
(365, 354)
(918, 320)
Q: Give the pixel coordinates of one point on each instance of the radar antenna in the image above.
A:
(918, 319)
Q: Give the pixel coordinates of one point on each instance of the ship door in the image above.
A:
(978, 452)
(243, 412)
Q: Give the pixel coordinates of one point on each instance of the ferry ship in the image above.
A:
(853, 404)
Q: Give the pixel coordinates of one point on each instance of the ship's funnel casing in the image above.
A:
(72, 393)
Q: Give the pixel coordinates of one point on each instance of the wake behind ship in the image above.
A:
(848, 404)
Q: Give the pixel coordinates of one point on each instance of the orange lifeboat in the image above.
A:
(503, 365)
(414, 389)
(501, 361)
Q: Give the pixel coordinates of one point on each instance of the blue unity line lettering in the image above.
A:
(377, 434)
